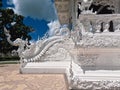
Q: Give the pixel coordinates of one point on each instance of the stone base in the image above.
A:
(94, 79)
(96, 69)
(83, 80)
(92, 69)
(52, 67)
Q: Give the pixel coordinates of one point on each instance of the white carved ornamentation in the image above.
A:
(98, 27)
(84, 7)
(106, 28)
(80, 82)
(100, 40)
(117, 28)
(95, 85)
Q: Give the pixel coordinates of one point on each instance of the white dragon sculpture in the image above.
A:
(34, 51)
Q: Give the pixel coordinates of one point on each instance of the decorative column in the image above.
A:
(98, 27)
(106, 27)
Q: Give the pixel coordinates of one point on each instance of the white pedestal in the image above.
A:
(94, 69)
(52, 67)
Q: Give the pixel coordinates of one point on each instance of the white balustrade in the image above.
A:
(100, 23)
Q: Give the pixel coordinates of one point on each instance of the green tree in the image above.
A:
(0, 3)
(17, 31)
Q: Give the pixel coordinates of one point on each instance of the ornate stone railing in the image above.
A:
(100, 23)
(42, 51)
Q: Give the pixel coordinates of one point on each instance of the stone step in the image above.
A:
(46, 67)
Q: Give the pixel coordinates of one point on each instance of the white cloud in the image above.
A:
(53, 26)
(41, 9)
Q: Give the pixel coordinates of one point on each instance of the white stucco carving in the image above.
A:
(84, 7)
(106, 28)
(117, 28)
(35, 51)
(98, 27)
(104, 40)
(93, 85)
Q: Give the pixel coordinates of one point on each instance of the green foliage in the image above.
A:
(9, 58)
(16, 31)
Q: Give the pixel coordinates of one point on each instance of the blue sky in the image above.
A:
(38, 13)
